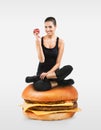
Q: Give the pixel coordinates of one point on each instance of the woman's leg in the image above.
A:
(30, 79)
(44, 85)
(60, 73)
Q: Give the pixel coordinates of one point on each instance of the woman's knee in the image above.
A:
(69, 67)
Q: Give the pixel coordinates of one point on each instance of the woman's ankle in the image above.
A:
(53, 84)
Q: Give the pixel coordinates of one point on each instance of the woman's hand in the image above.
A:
(38, 38)
(38, 42)
(43, 75)
(36, 33)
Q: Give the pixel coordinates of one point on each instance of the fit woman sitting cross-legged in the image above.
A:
(50, 49)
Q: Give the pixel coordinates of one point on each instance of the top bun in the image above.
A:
(67, 93)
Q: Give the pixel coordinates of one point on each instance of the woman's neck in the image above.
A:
(50, 37)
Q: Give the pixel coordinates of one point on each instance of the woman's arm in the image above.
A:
(40, 53)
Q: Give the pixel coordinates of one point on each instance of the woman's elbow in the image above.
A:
(42, 60)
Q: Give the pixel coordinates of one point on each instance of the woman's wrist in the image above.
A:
(49, 72)
(38, 42)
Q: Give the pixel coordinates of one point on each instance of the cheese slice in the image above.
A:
(50, 112)
(26, 106)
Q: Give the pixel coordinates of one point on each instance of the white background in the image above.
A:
(79, 24)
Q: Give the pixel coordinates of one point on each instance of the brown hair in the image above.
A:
(52, 19)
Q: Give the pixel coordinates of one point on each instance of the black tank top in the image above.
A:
(50, 57)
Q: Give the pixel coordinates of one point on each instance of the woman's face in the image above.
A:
(50, 28)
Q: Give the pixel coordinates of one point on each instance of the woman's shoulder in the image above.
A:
(61, 41)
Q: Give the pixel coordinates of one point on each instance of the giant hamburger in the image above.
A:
(55, 104)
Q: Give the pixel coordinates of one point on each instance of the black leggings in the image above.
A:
(43, 85)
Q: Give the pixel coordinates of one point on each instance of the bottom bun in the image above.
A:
(49, 117)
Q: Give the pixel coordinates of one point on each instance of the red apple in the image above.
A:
(36, 31)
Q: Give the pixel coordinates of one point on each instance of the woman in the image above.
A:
(50, 50)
